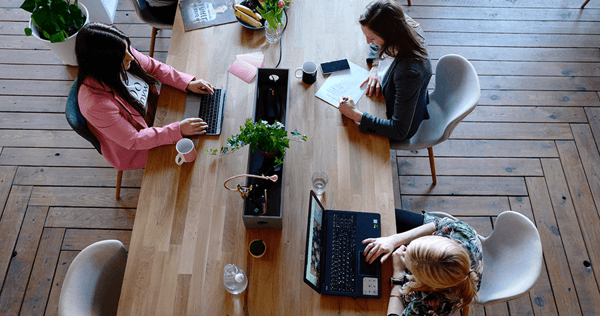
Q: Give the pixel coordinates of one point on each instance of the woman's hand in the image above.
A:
(348, 109)
(193, 126)
(201, 86)
(398, 262)
(381, 246)
(372, 82)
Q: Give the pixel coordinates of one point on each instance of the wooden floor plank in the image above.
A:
(64, 262)
(488, 148)
(500, 309)
(536, 68)
(10, 103)
(510, 40)
(590, 158)
(593, 116)
(79, 217)
(7, 175)
(554, 253)
(521, 54)
(72, 176)
(471, 166)
(395, 183)
(527, 114)
(42, 273)
(533, 131)
(42, 72)
(10, 224)
(511, 26)
(457, 205)
(540, 83)
(78, 239)
(53, 157)
(539, 98)
(500, 13)
(47, 139)
(86, 197)
(540, 299)
(572, 239)
(490, 186)
(41, 121)
(22, 260)
(555, 4)
(482, 225)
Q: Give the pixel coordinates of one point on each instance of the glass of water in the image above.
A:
(319, 181)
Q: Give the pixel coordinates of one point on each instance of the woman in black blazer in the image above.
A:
(400, 65)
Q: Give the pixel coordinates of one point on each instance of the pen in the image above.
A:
(344, 99)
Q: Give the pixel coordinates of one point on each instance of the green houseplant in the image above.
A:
(262, 136)
(56, 20)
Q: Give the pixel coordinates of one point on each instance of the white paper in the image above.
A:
(343, 84)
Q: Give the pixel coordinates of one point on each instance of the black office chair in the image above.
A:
(79, 125)
(141, 9)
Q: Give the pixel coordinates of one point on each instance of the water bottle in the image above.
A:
(234, 279)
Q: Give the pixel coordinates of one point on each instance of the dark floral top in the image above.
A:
(444, 303)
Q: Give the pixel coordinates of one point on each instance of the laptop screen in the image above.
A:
(314, 242)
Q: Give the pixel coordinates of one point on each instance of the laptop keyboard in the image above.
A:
(343, 253)
(209, 110)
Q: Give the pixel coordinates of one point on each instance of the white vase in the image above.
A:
(272, 36)
(65, 50)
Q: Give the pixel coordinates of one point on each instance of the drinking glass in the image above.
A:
(319, 181)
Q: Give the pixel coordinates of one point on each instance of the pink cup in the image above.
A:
(186, 152)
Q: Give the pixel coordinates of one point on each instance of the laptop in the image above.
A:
(334, 263)
(209, 108)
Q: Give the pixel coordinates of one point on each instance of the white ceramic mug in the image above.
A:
(186, 152)
(309, 72)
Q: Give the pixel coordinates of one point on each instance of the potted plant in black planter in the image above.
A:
(270, 139)
(56, 23)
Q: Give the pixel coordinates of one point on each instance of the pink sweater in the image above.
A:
(124, 136)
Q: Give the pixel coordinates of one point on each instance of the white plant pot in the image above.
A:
(64, 50)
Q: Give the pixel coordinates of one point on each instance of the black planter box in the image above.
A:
(273, 81)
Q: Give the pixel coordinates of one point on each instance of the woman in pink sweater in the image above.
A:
(114, 82)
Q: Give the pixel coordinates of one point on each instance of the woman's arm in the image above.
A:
(386, 245)
(407, 84)
(163, 72)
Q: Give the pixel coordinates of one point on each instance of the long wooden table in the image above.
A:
(187, 227)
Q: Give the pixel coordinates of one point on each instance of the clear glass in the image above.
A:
(272, 36)
(234, 279)
(319, 181)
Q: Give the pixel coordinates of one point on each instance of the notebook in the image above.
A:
(209, 108)
(334, 263)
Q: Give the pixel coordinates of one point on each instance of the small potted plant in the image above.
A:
(270, 139)
(56, 22)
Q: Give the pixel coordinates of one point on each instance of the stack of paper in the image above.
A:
(246, 66)
(344, 83)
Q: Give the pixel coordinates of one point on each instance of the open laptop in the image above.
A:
(209, 108)
(334, 263)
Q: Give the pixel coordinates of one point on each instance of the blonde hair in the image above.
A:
(440, 264)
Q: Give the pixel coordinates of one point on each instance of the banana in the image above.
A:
(248, 19)
(246, 10)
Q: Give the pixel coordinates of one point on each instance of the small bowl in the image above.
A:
(257, 248)
(248, 26)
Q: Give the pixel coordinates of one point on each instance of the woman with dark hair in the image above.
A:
(400, 66)
(114, 82)
(438, 264)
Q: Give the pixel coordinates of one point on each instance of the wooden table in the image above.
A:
(187, 227)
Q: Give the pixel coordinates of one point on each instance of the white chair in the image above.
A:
(512, 258)
(455, 96)
(93, 282)
(141, 9)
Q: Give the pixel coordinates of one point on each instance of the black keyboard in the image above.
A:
(210, 110)
(343, 253)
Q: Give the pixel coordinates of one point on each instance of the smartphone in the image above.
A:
(334, 66)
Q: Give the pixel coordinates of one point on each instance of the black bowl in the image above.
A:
(248, 26)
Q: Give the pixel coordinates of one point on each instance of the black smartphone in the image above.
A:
(334, 66)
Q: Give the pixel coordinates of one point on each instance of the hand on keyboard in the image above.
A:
(193, 126)
(201, 86)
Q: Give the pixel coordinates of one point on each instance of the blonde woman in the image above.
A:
(437, 265)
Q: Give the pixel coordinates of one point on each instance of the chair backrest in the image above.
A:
(76, 119)
(457, 90)
(512, 259)
(93, 282)
(141, 9)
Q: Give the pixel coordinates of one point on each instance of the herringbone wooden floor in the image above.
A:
(531, 146)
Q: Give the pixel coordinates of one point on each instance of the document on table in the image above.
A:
(342, 84)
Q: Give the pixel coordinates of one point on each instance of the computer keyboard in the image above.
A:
(210, 109)
(343, 253)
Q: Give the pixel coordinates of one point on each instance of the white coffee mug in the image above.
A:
(186, 152)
